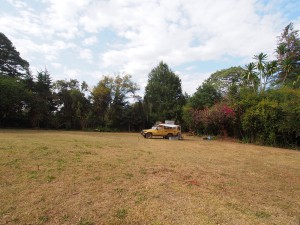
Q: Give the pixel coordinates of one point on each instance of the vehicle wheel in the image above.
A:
(148, 135)
(169, 135)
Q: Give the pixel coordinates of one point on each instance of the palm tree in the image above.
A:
(281, 51)
(251, 75)
(260, 65)
(287, 66)
(270, 69)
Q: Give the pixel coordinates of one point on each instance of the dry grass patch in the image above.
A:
(50, 177)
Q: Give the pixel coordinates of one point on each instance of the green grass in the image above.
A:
(56, 177)
(121, 213)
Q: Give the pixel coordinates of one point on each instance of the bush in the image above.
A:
(216, 120)
(275, 120)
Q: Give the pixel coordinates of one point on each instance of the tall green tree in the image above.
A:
(41, 103)
(11, 63)
(73, 107)
(205, 96)
(12, 97)
(261, 60)
(288, 56)
(138, 116)
(287, 66)
(101, 98)
(110, 99)
(14, 74)
(163, 95)
(271, 68)
(123, 88)
(223, 80)
(82, 108)
(250, 75)
(134, 116)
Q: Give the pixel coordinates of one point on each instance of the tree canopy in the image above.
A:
(205, 96)
(163, 94)
(288, 56)
(222, 80)
(11, 63)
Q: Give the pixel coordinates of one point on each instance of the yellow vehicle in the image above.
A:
(166, 131)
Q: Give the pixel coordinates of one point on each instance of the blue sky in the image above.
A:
(86, 39)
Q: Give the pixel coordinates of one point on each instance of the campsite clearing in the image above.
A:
(58, 177)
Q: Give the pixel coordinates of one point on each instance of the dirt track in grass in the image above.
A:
(56, 177)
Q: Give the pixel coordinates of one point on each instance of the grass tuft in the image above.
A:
(84, 222)
(262, 214)
(50, 178)
(44, 219)
(121, 213)
(128, 175)
(33, 174)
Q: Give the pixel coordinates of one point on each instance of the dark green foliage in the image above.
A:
(111, 109)
(41, 102)
(163, 95)
(110, 101)
(274, 119)
(12, 97)
(101, 97)
(134, 117)
(73, 107)
(222, 80)
(187, 117)
(206, 96)
(251, 76)
(11, 64)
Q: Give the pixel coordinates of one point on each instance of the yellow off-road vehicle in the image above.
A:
(166, 131)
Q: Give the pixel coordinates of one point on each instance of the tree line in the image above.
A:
(257, 103)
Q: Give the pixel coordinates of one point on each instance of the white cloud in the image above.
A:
(56, 65)
(90, 40)
(62, 16)
(166, 31)
(49, 51)
(17, 3)
(191, 81)
(71, 73)
(229, 27)
(86, 54)
(144, 33)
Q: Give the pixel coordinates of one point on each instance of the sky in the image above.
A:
(86, 39)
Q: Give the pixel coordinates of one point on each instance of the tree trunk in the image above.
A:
(284, 77)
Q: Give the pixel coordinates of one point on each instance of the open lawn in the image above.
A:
(56, 177)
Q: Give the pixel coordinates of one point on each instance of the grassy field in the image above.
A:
(51, 177)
